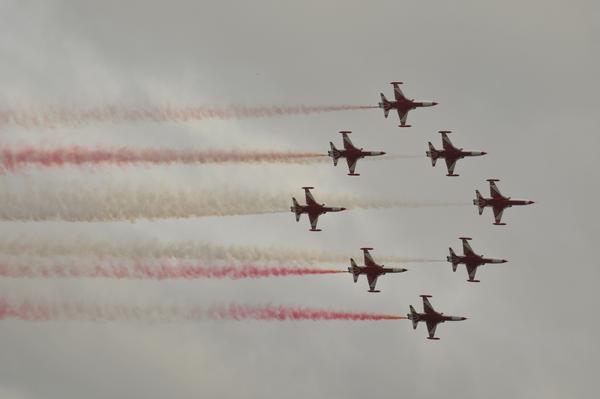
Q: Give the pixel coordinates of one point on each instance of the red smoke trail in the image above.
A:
(160, 272)
(51, 117)
(50, 311)
(77, 155)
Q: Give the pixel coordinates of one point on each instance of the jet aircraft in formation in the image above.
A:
(450, 153)
(312, 208)
(430, 316)
(470, 259)
(371, 269)
(497, 202)
(350, 152)
(401, 104)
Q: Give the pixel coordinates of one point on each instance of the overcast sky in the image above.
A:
(517, 79)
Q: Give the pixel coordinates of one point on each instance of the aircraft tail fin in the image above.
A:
(413, 316)
(479, 201)
(296, 208)
(433, 154)
(354, 268)
(334, 153)
(385, 104)
(453, 258)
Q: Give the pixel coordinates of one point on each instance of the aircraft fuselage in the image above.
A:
(474, 260)
(454, 153)
(316, 209)
(433, 317)
(357, 153)
(501, 202)
(375, 270)
(405, 105)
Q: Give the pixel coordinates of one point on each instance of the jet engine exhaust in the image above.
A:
(142, 249)
(42, 310)
(14, 159)
(56, 116)
(112, 202)
(144, 271)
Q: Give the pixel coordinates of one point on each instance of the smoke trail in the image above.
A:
(51, 117)
(162, 271)
(353, 202)
(118, 202)
(76, 155)
(157, 249)
(391, 157)
(29, 310)
(85, 203)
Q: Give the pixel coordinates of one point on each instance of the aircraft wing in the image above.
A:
(431, 326)
(498, 214)
(398, 92)
(446, 142)
(368, 258)
(450, 164)
(372, 279)
(494, 191)
(427, 308)
(347, 142)
(471, 270)
(310, 200)
(351, 164)
(314, 219)
(402, 117)
(467, 250)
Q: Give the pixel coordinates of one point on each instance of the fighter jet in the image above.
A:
(498, 202)
(450, 153)
(351, 153)
(371, 269)
(312, 208)
(430, 317)
(402, 104)
(471, 260)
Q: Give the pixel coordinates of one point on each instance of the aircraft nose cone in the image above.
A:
(434, 103)
(504, 260)
(483, 153)
(343, 209)
(532, 202)
(463, 318)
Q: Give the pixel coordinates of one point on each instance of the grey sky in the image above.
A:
(516, 79)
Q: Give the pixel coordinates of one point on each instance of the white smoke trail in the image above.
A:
(113, 202)
(118, 202)
(52, 117)
(27, 250)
